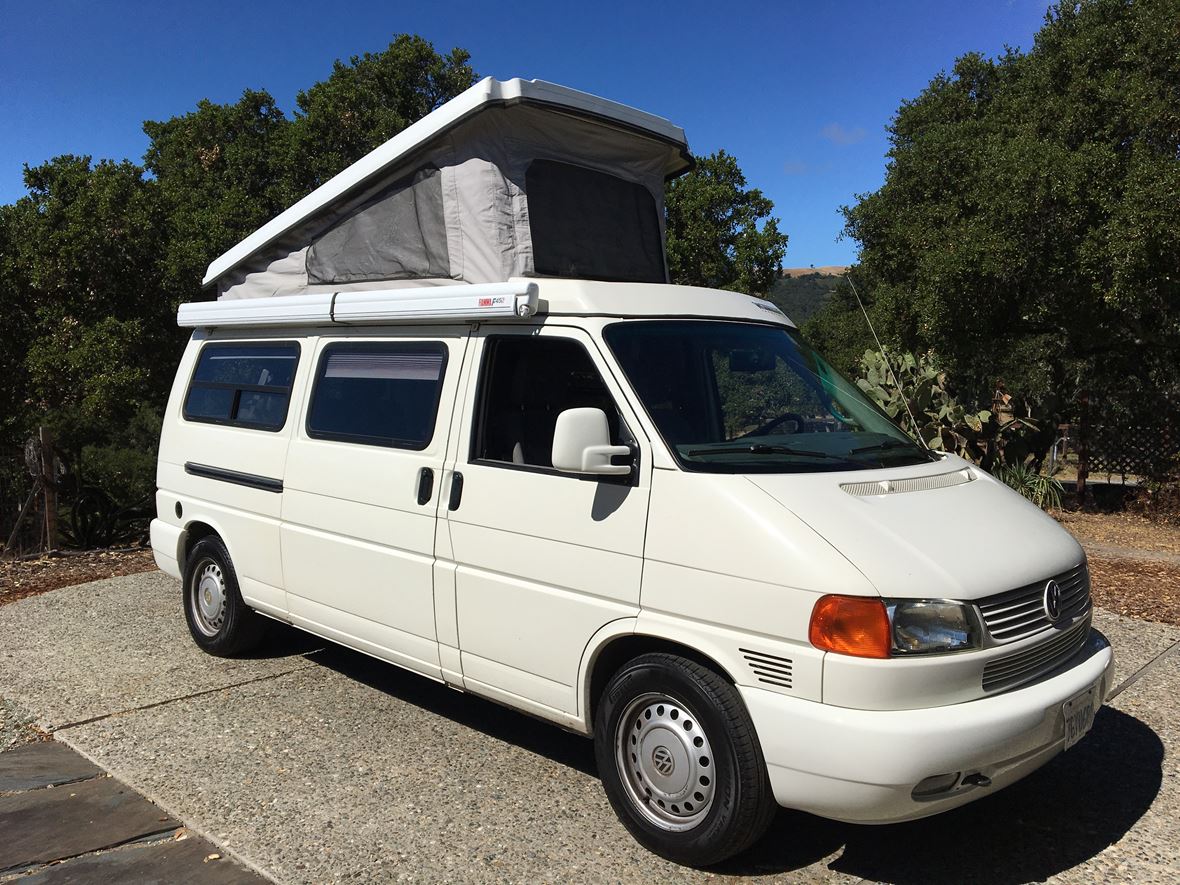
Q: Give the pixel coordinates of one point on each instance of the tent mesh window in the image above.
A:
(590, 225)
(400, 234)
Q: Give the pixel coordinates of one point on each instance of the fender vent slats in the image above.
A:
(768, 668)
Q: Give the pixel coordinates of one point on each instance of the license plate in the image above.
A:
(1079, 715)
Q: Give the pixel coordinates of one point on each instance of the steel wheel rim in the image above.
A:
(665, 761)
(207, 597)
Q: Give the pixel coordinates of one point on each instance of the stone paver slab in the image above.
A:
(52, 823)
(38, 765)
(163, 863)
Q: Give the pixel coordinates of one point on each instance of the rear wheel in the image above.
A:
(680, 761)
(219, 621)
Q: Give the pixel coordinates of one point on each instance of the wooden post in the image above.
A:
(1083, 446)
(49, 484)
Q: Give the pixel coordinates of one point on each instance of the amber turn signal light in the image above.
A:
(851, 625)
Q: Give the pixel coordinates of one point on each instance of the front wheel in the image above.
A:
(680, 761)
(219, 620)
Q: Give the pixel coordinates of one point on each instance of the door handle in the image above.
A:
(425, 485)
(456, 491)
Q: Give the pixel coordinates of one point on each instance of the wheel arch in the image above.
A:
(195, 530)
(619, 642)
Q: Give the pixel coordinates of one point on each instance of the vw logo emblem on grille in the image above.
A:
(662, 760)
(1052, 602)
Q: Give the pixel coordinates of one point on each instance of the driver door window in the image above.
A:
(527, 383)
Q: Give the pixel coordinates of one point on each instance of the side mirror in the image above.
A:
(581, 444)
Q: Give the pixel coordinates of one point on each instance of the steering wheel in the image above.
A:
(770, 425)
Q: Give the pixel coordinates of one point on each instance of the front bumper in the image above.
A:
(861, 766)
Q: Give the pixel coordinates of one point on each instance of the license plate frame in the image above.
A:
(1078, 714)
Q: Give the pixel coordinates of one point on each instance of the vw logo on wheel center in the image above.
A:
(1052, 602)
(661, 759)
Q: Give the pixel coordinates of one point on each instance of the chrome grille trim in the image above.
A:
(1016, 614)
(910, 484)
(769, 668)
(1027, 664)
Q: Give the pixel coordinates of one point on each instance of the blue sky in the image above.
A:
(799, 92)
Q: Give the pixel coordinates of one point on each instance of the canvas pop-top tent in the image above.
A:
(508, 179)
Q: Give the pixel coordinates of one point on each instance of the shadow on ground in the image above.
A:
(1066, 813)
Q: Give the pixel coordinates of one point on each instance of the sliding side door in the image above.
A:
(361, 493)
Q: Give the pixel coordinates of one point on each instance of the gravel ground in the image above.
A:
(325, 766)
(16, 726)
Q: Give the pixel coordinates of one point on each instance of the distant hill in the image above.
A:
(801, 291)
(828, 270)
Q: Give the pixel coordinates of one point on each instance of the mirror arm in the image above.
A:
(591, 454)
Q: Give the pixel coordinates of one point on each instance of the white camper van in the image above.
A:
(650, 514)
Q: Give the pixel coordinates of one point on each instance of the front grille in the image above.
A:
(1015, 614)
(1028, 664)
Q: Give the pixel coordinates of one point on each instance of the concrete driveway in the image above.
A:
(314, 764)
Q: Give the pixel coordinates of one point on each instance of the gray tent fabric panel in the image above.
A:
(478, 214)
(281, 271)
(400, 234)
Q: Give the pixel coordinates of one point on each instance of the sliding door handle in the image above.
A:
(456, 491)
(425, 485)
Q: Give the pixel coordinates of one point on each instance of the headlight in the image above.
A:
(923, 626)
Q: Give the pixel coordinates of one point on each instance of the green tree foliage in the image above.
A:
(95, 259)
(1027, 228)
(366, 102)
(721, 234)
(84, 250)
(221, 174)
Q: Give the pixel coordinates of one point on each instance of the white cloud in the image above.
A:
(837, 134)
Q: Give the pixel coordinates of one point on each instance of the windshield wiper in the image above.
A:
(763, 449)
(890, 444)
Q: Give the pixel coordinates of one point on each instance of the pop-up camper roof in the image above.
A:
(509, 179)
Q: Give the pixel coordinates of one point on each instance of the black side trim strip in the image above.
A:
(251, 480)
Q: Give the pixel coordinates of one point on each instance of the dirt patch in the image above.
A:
(30, 577)
(1134, 565)
(1122, 530)
(1136, 588)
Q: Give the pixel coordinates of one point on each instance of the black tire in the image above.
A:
(734, 805)
(224, 626)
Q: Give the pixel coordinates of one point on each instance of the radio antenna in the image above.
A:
(885, 356)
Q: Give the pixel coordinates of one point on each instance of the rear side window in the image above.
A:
(246, 385)
(378, 394)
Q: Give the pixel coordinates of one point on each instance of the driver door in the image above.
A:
(543, 559)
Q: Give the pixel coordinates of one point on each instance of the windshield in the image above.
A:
(733, 397)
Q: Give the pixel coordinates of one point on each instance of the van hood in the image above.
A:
(940, 530)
